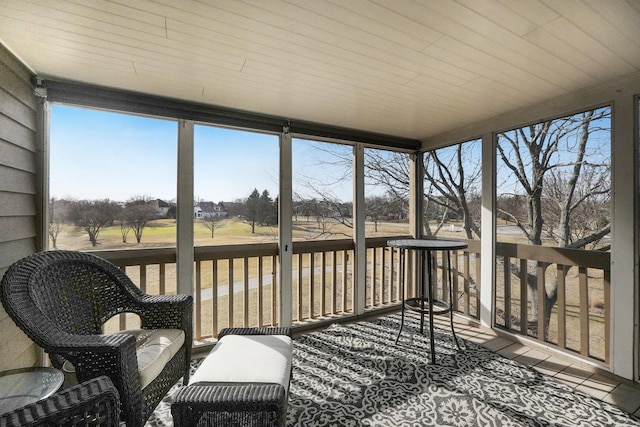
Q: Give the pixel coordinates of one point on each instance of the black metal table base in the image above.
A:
(439, 308)
(426, 305)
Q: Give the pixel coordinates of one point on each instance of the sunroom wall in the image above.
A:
(18, 193)
(621, 94)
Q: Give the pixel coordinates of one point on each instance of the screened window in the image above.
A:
(386, 193)
(236, 176)
(553, 182)
(112, 180)
(553, 188)
(322, 190)
(452, 191)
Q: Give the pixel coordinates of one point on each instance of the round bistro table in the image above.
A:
(20, 387)
(425, 303)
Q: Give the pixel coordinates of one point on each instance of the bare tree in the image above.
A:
(58, 213)
(388, 170)
(577, 213)
(325, 203)
(327, 210)
(212, 223)
(452, 180)
(452, 183)
(137, 213)
(564, 166)
(93, 215)
(54, 229)
(385, 207)
(125, 228)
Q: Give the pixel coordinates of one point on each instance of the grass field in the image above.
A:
(162, 233)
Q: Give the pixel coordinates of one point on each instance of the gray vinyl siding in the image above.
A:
(18, 190)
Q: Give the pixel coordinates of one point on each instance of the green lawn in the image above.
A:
(162, 232)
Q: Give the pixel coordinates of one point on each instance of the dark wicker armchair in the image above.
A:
(90, 404)
(61, 299)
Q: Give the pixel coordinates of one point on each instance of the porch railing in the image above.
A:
(236, 285)
(465, 278)
(558, 296)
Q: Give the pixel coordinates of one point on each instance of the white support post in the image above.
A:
(488, 238)
(42, 200)
(42, 158)
(416, 213)
(360, 252)
(624, 257)
(285, 236)
(416, 195)
(184, 215)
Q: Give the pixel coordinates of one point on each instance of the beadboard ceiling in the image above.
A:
(400, 67)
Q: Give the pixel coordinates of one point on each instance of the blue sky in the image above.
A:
(229, 164)
(97, 154)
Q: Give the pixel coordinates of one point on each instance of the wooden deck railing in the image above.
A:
(571, 286)
(236, 285)
(465, 277)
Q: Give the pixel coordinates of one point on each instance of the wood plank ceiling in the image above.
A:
(400, 67)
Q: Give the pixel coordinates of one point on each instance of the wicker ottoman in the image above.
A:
(244, 381)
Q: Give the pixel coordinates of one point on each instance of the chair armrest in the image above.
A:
(95, 402)
(62, 342)
(90, 354)
(98, 355)
(167, 312)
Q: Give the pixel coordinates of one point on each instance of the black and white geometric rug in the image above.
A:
(354, 375)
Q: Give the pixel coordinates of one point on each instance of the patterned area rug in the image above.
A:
(354, 375)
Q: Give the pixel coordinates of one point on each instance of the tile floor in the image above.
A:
(579, 375)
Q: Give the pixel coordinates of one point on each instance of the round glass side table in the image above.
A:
(20, 387)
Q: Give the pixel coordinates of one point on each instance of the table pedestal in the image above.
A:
(426, 303)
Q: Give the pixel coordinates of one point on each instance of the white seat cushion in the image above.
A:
(154, 348)
(247, 359)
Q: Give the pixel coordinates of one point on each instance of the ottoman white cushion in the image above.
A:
(247, 359)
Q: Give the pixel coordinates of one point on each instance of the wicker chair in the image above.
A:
(61, 299)
(89, 404)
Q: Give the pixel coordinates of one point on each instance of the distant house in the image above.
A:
(197, 212)
(162, 207)
(210, 210)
